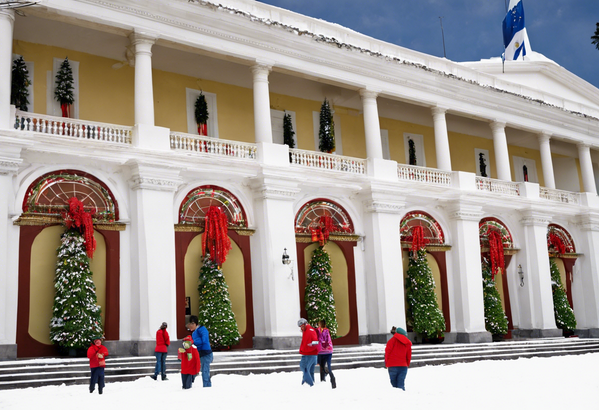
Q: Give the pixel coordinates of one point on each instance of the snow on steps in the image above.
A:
(55, 371)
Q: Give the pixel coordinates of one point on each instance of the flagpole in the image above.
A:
(443, 36)
(503, 58)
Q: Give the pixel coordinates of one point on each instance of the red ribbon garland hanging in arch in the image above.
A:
(496, 252)
(557, 243)
(77, 218)
(321, 233)
(215, 240)
(418, 239)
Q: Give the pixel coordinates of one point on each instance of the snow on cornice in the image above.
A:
(332, 41)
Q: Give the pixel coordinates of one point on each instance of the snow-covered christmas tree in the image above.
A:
(216, 311)
(495, 319)
(564, 315)
(76, 319)
(318, 297)
(326, 133)
(64, 87)
(423, 314)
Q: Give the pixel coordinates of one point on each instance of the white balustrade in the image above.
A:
(423, 174)
(331, 162)
(195, 143)
(558, 195)
(69, 127)
(498, 186)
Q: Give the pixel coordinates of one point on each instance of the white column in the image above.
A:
(144, 95)
(546, 161)
(262, 124)
(7, 19)
(9, 254)
(466, 277)
(153, 286)
(372, 127)
(383, 268)
(502, 158)
(275, 286)
(441, 139)
(536, 298)
(585, 284)
(586, 168)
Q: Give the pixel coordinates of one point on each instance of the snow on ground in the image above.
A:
(549, 383)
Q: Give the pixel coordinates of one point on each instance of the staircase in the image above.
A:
(56, 371)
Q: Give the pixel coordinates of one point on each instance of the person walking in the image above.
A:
(308, 350)
(325, 352)
(398, 355)
(96, 355)
(163, 341)
(201, 339)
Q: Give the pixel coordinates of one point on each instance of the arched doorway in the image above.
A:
(40, 229)
(435, 248)
(236, 269)
(340, 248)
(561, 246)
(485, 227)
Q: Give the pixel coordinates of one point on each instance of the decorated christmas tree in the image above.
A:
(423, 314)
(564, 315)
(201, 114)
(326, 133)
(64, 87)
(216, 312)
(20, 81)
(318, 296)
(495, 319)
(288, 132)
(412, 151)
(76, 319)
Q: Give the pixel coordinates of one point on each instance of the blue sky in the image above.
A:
(559, 29)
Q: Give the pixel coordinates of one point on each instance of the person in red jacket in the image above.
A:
(398, 355)
(308, 350)
(190, 362)
(96, 355)
(162, 343)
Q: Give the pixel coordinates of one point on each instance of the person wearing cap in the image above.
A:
(163, 341)
(190, 362)
(398, 355)
(308, 350)
(96, 355)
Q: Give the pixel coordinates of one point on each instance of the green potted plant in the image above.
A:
(201, 114)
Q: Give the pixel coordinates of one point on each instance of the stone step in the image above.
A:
(42, 372)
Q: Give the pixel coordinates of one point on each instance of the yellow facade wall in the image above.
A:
(233, 271)
(396, 131)
(105, 94)
(527, 153)
(462, 148)
(43, 272)
(340, 283)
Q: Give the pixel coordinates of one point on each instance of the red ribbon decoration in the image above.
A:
(215, 240)
(557, 243)
(496, 252)
(418, 240)
(321, 233)
(82, 221)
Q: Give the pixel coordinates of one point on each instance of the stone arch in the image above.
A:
(433, 232)
(311, 211)
(195, 205)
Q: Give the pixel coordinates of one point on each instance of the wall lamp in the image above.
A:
(287, 261)
(521, 274)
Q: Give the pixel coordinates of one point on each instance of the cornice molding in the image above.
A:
(154, 184)
(9, 167)
(384, 207)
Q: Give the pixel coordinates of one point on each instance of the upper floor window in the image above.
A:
(52, 105)
(414, 148)
(192, 126)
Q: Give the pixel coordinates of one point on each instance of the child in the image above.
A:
(190, 362)
(96, 355)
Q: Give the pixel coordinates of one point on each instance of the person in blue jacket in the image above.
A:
(201, 340)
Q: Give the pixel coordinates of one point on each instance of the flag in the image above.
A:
(515, 38)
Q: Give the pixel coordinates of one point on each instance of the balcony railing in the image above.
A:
(497, 186)
(557, 195)
(195, 143)
(69, 127)
(422, 174)
(327, 161)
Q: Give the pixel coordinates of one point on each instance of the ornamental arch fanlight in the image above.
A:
(563, 236)
(487, 225)
(433, 233)
(308, 217)
(195, 206)
(48, 196)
